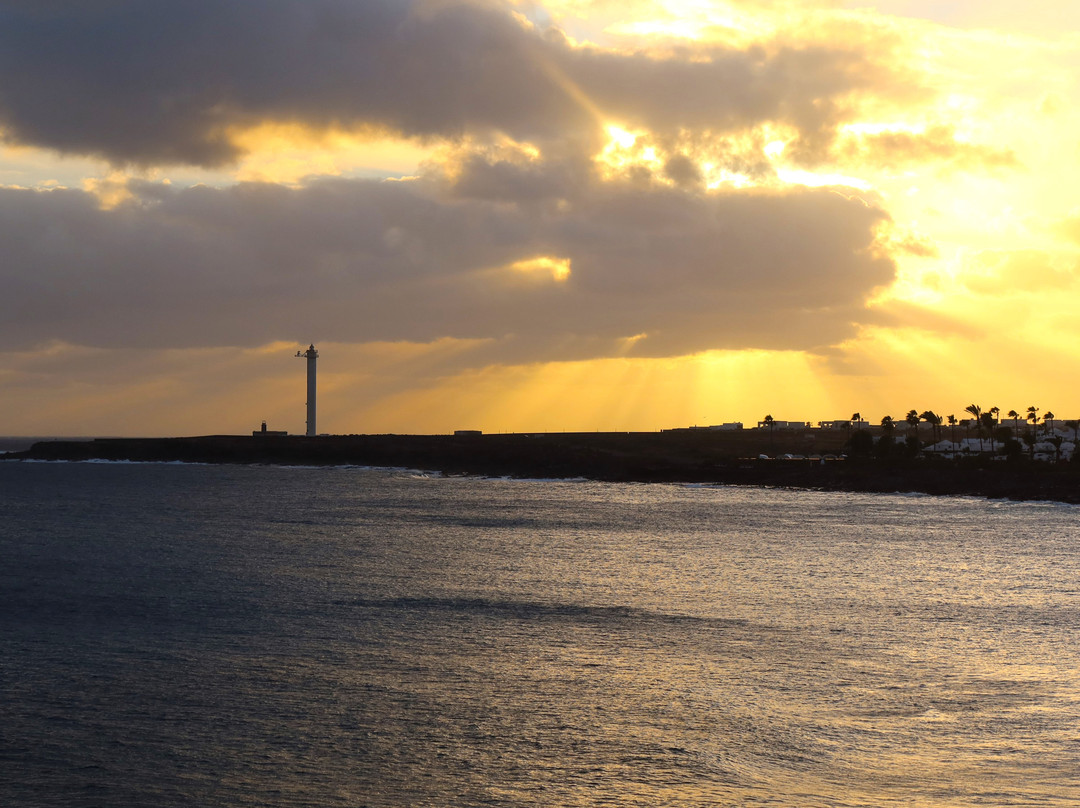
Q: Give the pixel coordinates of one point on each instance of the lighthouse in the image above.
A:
(311, 355)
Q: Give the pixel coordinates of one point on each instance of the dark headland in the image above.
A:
(725, 458)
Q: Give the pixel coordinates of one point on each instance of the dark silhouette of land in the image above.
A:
(727, 458)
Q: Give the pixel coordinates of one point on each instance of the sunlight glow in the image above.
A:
(111, 190)
(696, 20)
(626, 150)
(620, 138)
(715, 178)
(877, 128)
(289, 152)
(616, 394)
(683, 29)
(962, 137)
(809, 179)
(627, 343)
(558, 268)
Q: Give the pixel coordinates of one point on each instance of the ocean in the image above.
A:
(184, 635)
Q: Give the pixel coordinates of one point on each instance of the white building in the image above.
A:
(844, 423)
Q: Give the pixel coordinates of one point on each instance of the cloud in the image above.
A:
(914, 244)
(682, 170)
(905, 316)
(361, 260)
(1068, 228)
(1008, 273)
(937, 145)
(175, 81)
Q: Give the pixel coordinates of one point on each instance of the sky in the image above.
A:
(528, 216)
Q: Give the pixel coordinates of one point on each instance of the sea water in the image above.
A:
(178, 635)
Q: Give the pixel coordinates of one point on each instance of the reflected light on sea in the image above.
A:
(197, 635)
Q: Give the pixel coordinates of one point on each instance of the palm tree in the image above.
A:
(856, 419)
(1029, 439)
(934, 420)
(976, 411)
(769, 422)
(912, 419)
(1016, 422)
(1033, 416)
(1049, 417)
(996, 412)
(885, 444)
(911, 440)
(987, 422)
(952, 424)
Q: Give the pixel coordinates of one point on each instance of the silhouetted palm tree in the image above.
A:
(769, 422)
(976, 411)
(934, 420)
(952, 425)
(1033, 416)
(912, 419)
(986, 420)
(1049, 417)
(1016, 423)
(1029, 439)
(885, 444)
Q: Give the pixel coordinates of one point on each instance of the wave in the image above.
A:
(536, 610)
(512, 479)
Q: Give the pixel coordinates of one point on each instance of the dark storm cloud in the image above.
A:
(352, 260)
(164, 81)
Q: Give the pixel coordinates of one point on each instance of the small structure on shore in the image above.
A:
(783, 425)
(267, 433)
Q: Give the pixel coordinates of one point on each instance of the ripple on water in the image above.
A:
(339, 637)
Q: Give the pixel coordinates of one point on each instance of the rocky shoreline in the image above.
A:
(692, 457)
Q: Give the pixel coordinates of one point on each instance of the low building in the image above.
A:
(844, 423)
(267, 433)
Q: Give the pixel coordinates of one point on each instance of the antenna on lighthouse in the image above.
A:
(311, 355)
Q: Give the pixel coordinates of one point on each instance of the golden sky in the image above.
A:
(574, 215)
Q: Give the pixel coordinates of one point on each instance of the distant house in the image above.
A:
(783, 424)
(967, 447)
(468, 432)
(843, 423)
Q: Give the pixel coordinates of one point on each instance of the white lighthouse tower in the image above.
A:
(311, 355)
